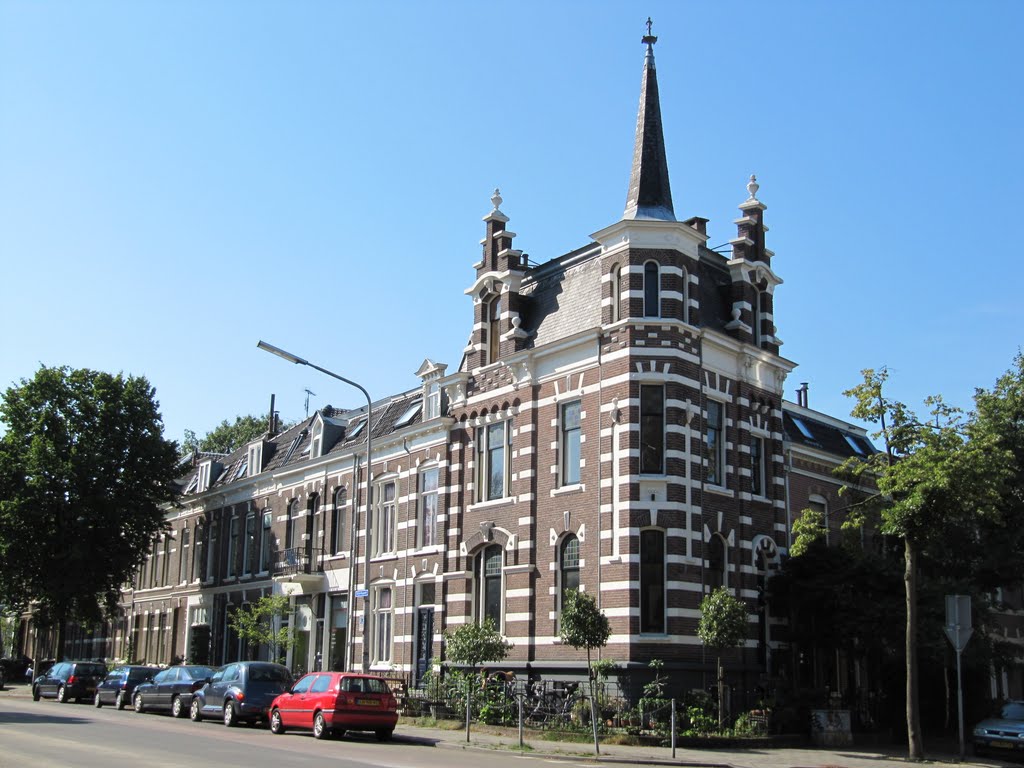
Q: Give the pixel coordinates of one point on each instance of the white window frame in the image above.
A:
(432, 400)
(484, 456)
(719, 448)
(183, 551)
(383, 626)
(616, 279)
(385, 517)
(664, 581)
(316, 441)
(664, 438)
(426, 531)
(338, 536)
(255, 458)
(234, 532)
(563, 443)
(250, 541)
(758, 466)
(266, 539)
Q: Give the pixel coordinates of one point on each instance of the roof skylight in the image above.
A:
(803, 428)
(854, 444)
(410, 414)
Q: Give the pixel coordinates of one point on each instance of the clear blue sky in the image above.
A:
(181, 179)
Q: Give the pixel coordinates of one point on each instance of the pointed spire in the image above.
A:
(650, 196)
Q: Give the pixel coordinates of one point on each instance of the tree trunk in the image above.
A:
(62, 627)
(721, 693)
(593, 703)
(915, 750)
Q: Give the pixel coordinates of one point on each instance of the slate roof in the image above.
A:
(824, 436)
(565, 297)
(291, 447)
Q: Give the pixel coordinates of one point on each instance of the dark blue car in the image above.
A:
(120, 682)
(171, 689)
(241, 692)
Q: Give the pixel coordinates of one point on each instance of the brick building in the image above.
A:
(616, 425)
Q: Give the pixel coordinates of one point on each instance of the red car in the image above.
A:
(330, 703)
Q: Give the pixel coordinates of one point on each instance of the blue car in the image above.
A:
(119, 684)
(241, 692)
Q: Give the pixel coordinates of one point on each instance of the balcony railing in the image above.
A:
(300, 560)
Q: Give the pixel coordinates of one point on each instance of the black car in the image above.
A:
(171, 689)
(118, 685)
(241, 692)
(69, 680)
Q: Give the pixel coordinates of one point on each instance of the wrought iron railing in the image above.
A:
(300, 560)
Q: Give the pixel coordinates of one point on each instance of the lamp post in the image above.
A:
(369, 484)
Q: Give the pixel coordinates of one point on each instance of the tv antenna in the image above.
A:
(308, 393)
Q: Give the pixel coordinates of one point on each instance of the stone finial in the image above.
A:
(752, 187)
(496, 200)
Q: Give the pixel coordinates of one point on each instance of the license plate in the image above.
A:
(1001, 744)
(367, 702)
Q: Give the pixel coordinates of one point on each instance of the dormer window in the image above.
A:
(409, 414)
(254, 458)
(316, 443)
(432, 404)
(204, 476)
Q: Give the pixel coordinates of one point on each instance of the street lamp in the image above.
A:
(369, 484)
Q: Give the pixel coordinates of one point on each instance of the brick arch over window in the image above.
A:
(488, 534)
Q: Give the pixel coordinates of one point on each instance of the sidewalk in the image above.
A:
(944, 753)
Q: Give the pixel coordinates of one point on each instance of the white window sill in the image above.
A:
(433, 549)
(569, 490)
(384, 557)
(492, 504)
(719, 491)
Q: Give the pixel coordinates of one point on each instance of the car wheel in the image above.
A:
(35, 693)
(194, 712)
(384, 734)
(137, 703)
(230, 715)
(97, 701)
(62, 695)
(276, 726)
(119, 701)
(320, 729)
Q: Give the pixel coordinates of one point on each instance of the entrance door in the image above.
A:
(424, 641)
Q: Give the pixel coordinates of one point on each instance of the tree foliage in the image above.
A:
(473, 644)
(940, 484)
(258, 624)
(84, 472)
(583, 625)
(227, 436)
(722, 625)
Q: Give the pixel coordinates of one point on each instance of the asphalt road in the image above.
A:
(44, 733)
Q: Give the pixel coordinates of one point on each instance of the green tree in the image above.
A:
(472, 644)
(259, 624)
(227, 437)
(808, 529)
(934, 485)
(583, 625)
(722, 625)
(84, 476)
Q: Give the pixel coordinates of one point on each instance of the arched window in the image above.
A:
(338, 521)
(492, 315)
(652, 581)
(569, 567)
(487, 572)
(616, 293)
(652, 290)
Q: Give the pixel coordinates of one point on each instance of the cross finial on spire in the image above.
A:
(649, 38)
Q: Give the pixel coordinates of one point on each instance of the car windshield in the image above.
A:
(1014, 711)
(91, 669)
(138, 674)
(269, 675)
(198, 673)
